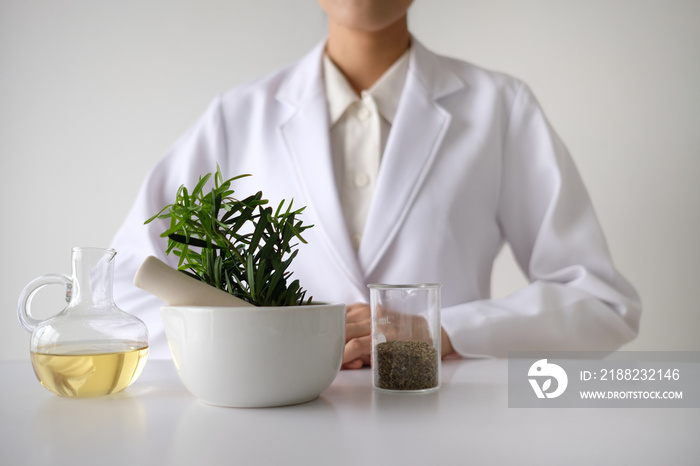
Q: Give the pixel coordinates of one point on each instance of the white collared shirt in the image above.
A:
(359, 128)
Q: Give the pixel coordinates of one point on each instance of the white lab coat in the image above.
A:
(470, 162)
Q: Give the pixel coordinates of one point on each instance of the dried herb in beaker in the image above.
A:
(406, 365)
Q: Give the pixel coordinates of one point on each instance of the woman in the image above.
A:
(414, 168)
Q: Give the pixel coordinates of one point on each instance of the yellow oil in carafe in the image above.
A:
(83, 370)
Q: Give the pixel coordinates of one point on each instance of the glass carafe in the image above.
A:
(91, 348)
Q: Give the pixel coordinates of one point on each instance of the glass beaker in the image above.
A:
(406, 336)
(90, 348)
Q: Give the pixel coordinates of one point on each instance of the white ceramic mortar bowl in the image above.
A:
(256, 356)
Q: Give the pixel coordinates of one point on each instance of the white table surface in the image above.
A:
(467, 422)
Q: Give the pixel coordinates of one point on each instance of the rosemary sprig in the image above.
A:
(243, 247)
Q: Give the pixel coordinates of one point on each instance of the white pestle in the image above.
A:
(178, 289)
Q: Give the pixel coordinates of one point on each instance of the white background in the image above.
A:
(92, 92)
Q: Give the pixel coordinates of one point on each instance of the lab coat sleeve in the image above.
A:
(193, 155)
(576, 300)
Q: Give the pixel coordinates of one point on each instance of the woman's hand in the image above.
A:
(358, 336)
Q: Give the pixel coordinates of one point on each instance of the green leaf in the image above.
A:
(240, 246)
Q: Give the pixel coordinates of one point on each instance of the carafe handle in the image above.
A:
(25, 299)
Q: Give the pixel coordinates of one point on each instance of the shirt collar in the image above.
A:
(386, 91)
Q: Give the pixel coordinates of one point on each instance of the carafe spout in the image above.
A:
(93, 273)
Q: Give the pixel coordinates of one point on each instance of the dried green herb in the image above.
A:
(243, 246)
(406, 365)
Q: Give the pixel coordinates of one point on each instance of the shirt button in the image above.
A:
(356, 239)
(363, 113)
(361, 180)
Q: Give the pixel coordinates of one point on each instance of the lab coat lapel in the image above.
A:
(416, 135)
(306, 136)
